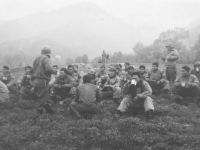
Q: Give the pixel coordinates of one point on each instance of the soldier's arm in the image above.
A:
(147, 90)
(71, 83)
(177, 82)
(47, 65)
(195, 82)
(173, 56)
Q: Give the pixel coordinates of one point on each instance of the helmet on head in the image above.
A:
(46, 50)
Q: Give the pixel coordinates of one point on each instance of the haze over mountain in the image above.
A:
(81, 28)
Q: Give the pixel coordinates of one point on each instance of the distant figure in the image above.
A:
(87, 96)
(107, 58)
(42, 71)
(170, 62)
(196, 70)
(186, 87)
(104, 57)
(4, 93)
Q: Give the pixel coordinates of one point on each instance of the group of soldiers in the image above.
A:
(130, 89)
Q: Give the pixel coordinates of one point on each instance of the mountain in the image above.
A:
(81, 28)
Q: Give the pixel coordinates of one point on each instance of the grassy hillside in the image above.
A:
(174, 127)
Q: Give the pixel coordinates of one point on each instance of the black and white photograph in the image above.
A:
(99, 74)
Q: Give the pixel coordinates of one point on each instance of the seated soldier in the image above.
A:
(87, 96)
(76, 79)
(101, 73)
(126, 65)
(54, 76)
(4, 93)
(186, 87)
(196, 70)
(157, 80)
(126, 77)
(139, 95)
(25, 83)
(8, 79)
(113, 86)
(63, 87)
(77, 72)
(143, 72)
(70, 70)
(119, 71)
(92, 75)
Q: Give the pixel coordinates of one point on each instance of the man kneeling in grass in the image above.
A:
(139, 95)
(87, 96)
(186, 87)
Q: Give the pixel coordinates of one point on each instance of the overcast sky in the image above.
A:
(165, 13)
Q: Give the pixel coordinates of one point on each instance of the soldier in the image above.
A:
(70, 70)
(54, 76)
(170, 62)
(101, 75)
(8, 79)
(25, 83)
(126, 65)
(87, 96)
(138, 96)
(63, 87)
(113, 85)
(104, 57)
(42, 71)
(4, 93)
(143, 72)
(196, 70)
(157, 80)
(186, 87)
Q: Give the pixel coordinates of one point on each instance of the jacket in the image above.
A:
(66, 82)
(171, 58)
(87, 93)
(42, 68)
(196, 73)
(156, 75)
(190, 79)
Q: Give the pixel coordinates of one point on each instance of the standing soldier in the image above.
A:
(107, 58)
(42, 71)
(170, 62)
(104, 57)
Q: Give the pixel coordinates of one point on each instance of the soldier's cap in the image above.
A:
(197, 64)
(113, 69)
(169, 44)
(46, 50)
(92, 72)
(130, 67)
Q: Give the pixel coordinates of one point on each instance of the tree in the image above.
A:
(174, 36)
(196, 48)
(69, 61)
(13, 60)
(78, 59)
(85, 59)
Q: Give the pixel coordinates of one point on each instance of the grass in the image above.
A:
(174, 127)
